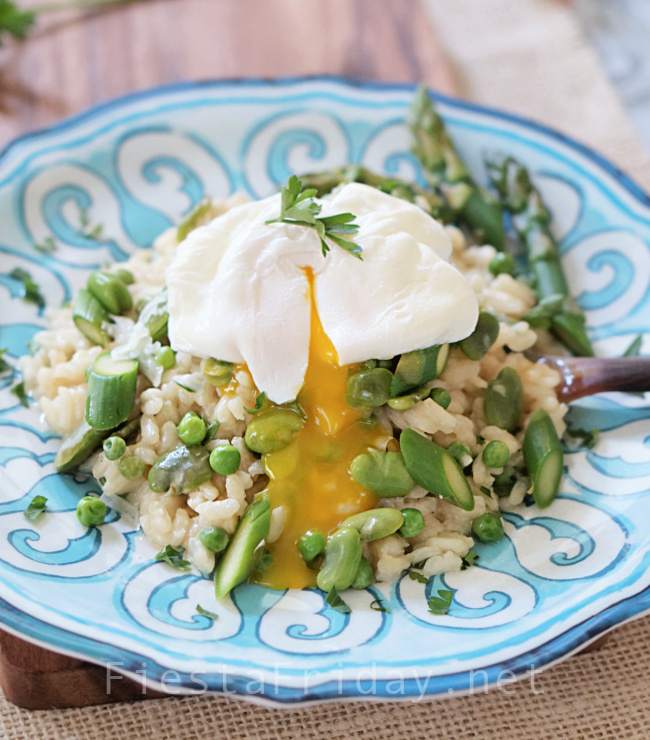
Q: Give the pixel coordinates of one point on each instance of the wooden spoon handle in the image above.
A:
(584, 376)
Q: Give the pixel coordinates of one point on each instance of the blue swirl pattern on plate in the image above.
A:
(557, 580)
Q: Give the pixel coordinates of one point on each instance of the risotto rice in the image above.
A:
(55, 375)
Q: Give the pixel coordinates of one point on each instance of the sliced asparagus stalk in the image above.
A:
(193, 218)
(88, 315)
(543, 457)
(111, 391)
(447, 173)
(435, 469)
(85, 440)
(504, 400)
(78, 447)
(477, 344)
(239, 560)
(155, 316)
(324, 182)
(532, 221)
(110, 291)
(418, 367)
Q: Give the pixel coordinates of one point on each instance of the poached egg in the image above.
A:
(239, 288)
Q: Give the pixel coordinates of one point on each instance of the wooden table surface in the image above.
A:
(75, 59)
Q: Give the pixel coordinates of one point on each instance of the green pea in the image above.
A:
(375, 524)
(413, 523)
(488, 527)
(132, 467)
(91, 511)
(342, 558)
(214, 538)
(461, 453)
(369, 388)
(311, 545)
(225, 459)
(496, 454)
(272, 430)
(165, 357)
(124, 275)
(114, 448)
(110, 291)
(504, 400)
(384, 474)
(477, 344)
(501, 263)
(183, 468)
(191, 429)
(218, 372)
(441, 396)
(365, 575)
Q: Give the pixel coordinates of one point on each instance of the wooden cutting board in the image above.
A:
(73, 60)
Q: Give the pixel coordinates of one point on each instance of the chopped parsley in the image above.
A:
(21, 394)
(379, 606)
(299, 207)
(439, 604)
(86, 230)
(36, 508)
(259, 403)
(336, 602)
(205, 613)
(419, 577)
(583, 437)
(173, 556)
(634, 348)
(47, 246)
(185, 387)
(4, 365)
(469, 560)
(31, 291)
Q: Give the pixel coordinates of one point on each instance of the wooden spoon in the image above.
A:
(584, 376)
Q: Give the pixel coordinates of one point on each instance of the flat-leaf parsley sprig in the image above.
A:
(299, 207)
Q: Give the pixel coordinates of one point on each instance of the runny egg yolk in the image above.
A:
(310, 477)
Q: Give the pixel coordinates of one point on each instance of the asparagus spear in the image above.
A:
(324, 182)
(447, 173)
(556, 309)
(239, 560)
(543, 457)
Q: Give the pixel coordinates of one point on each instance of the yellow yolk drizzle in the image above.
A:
(310, 477)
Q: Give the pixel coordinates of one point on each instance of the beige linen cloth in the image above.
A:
(527, 56)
